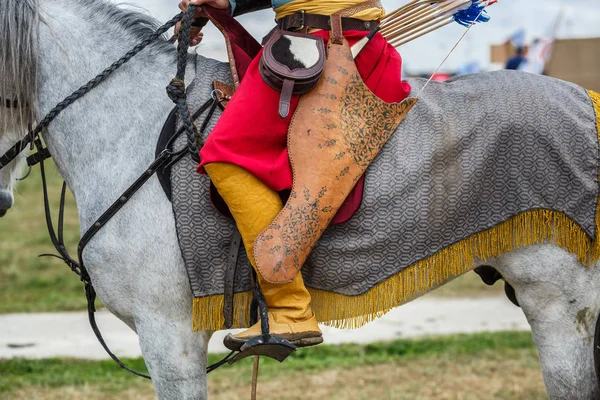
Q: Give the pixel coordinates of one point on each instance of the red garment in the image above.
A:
(250, 132)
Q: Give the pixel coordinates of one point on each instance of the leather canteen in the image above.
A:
(292, 63)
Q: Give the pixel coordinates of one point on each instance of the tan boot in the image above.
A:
(254, 206)
(300, 334)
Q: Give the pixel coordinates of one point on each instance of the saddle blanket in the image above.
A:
(482, 164)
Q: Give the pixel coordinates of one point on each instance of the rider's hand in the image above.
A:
(196, 32)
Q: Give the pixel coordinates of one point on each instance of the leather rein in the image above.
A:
(10, 103)
(167, 157)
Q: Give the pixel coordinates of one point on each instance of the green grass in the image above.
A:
(32, 284)
(29, 283)
(19, 374)
(469, 285)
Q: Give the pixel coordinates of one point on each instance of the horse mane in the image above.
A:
(135, 24)
(19, 68)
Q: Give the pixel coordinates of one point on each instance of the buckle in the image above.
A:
(302, 20)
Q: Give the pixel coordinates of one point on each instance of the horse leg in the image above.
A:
(148, 289)
(560, 299)
(161, 315)
(175, 356)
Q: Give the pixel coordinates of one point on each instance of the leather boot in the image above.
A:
(254, 206)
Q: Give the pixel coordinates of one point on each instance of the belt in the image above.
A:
(301, 20)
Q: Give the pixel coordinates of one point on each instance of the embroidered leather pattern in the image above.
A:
(359, 120)
(336, 132)
(299, 228)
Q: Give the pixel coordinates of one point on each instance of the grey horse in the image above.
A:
(102, 142)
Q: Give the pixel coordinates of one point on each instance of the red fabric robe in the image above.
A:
(250, 132)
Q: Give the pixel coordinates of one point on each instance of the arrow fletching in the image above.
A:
(420, 17)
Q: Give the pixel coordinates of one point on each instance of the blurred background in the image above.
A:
(558, 37)
(462, 341)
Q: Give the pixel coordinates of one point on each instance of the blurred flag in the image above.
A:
(541, 50)
(517, 39)
(538, 56)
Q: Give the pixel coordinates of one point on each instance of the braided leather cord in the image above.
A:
(76, 95)
(176, 89)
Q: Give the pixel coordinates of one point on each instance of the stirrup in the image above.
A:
(267, 345)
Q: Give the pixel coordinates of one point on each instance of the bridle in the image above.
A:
(10, 103)
(33, 134)
(167, 157)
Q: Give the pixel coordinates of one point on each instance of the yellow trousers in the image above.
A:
(254, 206)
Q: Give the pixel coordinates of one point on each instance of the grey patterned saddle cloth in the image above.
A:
(473, 152)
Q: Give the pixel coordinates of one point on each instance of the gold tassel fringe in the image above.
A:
(341, 311)
(207, 312)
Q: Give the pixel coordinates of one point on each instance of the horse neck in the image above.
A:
(107, 138)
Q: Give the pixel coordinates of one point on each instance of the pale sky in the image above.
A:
(581, 18)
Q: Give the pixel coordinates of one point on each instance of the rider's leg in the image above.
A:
(254, 206)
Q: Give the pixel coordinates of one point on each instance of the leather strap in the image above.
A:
(285, 100)
(10, 103)
(232, 65)
(234, 248)
(221, 19)
(301, 21)
(223, 92)
(14, 151)
(42, 154)
(336, 30)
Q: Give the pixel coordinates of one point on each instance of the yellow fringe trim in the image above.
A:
(341, 311)
(207, 312)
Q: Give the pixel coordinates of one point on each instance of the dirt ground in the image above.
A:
(510, 375)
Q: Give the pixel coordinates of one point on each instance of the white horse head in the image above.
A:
(7, 175)
(100, 144)
(18, 84)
